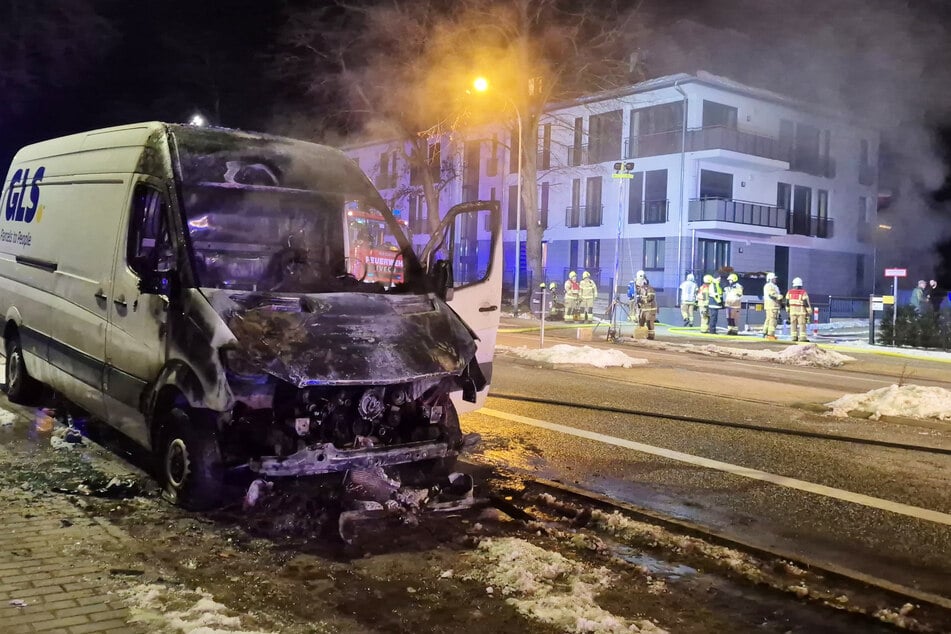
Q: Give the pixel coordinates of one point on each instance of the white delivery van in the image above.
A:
(197, 289)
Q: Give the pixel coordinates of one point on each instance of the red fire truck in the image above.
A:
(374, 252)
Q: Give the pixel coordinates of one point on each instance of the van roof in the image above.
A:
(135, 134)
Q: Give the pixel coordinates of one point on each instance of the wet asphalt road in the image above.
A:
(907, 550)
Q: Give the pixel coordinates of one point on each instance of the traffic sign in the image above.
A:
(896, 272)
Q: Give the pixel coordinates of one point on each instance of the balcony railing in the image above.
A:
(815, 165)
(708, 138)
(650, 212)
(738, 211)
(578, 155)
(584, 215)
(866, 175)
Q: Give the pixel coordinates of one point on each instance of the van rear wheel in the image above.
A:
(21, 387)
(190, 463)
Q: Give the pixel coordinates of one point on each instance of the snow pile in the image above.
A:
(7, 417)
(564, 354)
(810, 355)
(915, 401)
(183, 611)
(550, 588)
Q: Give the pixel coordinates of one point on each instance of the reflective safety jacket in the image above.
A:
(703, 295)
(647, 299)
(688, 292)
(734, 295)
(716, 294)
(771, 296)
(798, 301)
(589, 290)
(572, 289)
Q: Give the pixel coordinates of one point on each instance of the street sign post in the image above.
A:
(895, 274)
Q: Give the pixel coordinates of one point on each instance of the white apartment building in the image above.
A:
(723, 174)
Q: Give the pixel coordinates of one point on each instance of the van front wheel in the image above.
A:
(21, 387)
(191, 467)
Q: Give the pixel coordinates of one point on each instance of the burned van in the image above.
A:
(197, 289)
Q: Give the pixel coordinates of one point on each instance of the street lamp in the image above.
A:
(622, 171)
(197, 120)
(481, 84)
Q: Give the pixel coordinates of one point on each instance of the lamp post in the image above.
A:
(481, 84)
(622, 172)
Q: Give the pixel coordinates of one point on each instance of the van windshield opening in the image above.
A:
(275, 215)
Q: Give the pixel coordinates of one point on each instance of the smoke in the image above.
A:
(883, 64)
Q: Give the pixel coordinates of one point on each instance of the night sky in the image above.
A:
(168, 59)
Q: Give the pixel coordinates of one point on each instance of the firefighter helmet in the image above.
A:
(585, 275)
(770, 277)
(733, 277)
(542, 285)
(640, 274)
(572, 275)
(707, 279)
(689, 277)
(797, 281)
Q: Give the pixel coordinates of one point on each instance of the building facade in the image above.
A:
(721, 174)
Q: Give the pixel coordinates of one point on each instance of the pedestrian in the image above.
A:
(919, 298)
(797, 301)
(935, 296)
(733, 298)
(772, 302)
(572, 296)
(703, 303)
(714, 302)
(688, 299)
(589, 291)
(646, 307)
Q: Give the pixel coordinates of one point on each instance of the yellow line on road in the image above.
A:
(744, 472)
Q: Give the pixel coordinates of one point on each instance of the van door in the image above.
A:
(473, 246)
(135, 339)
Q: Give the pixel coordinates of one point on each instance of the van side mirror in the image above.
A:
(441, 276)
(159, 283)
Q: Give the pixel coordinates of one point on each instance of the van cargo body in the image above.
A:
(197, 289)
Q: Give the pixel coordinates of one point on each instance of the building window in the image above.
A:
(544, 161)
(864, 211)
(656, 130)
(714, 254)
(488, 217)
(716, 184)
(417, 219)
(593, 208)
(718, 114)
(492, 165)
(573, 213)
(592, 254)
(513, 152)
(653, 254)
(635, 198)
(655, 196)
(387, 176)
(435, 161)
(575, 157)
(604, 137)
(784, 196)
(471, 166)
(543, 205)
(513, 208)
(573, 254)
(802, 209)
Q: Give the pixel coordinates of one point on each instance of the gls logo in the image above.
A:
(16, 196)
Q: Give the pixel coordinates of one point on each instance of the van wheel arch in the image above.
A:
(20, 386)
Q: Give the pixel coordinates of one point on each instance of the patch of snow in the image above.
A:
(810, 355)
(914, 401)
(863, 345)
(564, 354)
(7, 418)
(550, 588)
(166, 611)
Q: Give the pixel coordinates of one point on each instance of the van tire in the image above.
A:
(190, 464)
(20, 386)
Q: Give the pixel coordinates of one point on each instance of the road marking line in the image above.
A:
(745, 472)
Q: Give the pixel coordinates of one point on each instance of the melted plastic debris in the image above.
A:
(548, 587)
(7, 418)
(914, 401)
(564, 354)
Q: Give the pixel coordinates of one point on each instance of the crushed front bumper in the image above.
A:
(326, 458)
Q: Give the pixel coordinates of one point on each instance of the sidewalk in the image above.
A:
(53, 575)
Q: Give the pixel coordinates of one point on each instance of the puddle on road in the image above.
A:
(653, 565)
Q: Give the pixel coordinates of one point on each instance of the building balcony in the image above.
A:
(584, 215)
(814, 165)
(738, 215)
(813, 226)
(708, 138)
(650, 212)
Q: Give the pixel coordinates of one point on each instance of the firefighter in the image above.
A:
(703, 303)
(772, 302)
(631, 301)
(646, 307)
(733, 298)
(688, 299)
(797, 302)
(589, 291)
(572, 296)
(714, 302)
(553, 294)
